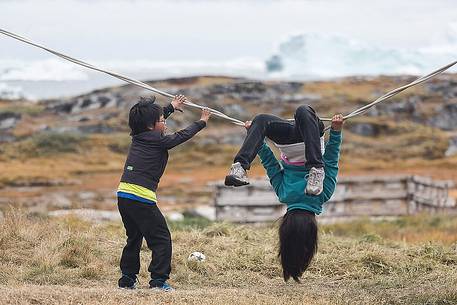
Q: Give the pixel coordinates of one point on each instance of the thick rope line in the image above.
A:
(398, 90)
(119, 76)
(143, 85)
(394, 92)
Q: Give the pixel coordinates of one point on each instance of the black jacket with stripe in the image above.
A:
(148, 153)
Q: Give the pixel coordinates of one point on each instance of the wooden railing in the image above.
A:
(353, 197)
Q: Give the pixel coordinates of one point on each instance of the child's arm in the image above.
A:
(168, 110)
(176, 103)
(331, 158)
(183, 135)
(271, 165)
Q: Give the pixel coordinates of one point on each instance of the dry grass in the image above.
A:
(69, 261)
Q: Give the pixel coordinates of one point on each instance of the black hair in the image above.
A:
(144, 114)
(297, 242)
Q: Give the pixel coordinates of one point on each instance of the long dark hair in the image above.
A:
(297, 242)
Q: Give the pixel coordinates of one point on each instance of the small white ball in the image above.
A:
(196, 257)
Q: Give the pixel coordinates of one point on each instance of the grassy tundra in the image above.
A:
(410, 260)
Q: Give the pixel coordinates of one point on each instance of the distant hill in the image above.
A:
(80, 143)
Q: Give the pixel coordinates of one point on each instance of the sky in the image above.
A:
(182, 37)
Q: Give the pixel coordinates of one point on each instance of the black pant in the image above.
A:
(306, 127)
(144, 220)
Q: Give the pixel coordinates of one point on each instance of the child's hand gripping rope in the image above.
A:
(337, 122)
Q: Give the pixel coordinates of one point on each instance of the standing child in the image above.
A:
(137, 201)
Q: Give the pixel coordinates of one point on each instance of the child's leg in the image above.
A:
(158, 239)
(310, 128)
(263, 125)
(130, 259)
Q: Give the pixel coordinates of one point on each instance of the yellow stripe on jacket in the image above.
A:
(137, 190)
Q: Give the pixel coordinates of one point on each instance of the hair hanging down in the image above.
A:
(144, 115)
(297, 242)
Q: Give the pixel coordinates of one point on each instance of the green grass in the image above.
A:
(412, 229)
(49, 144)
(22, 108)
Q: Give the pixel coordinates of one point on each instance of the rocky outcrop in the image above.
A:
(106, 110)
(446, 117)
(6, 137)
(254, 92)
(404, 108)
(452, 147)
(364, 129)
(83, 129)
(8, 120)
(443, 85)
(94, 100)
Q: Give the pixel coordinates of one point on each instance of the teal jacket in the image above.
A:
(289, 181)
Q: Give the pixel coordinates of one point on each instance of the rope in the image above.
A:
(119, 76)
(143, 85)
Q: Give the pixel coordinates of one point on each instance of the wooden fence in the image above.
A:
(353, 197)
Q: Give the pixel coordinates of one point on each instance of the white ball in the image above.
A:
(196, 257)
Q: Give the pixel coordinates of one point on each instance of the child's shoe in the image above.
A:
(315, 184)
(160, 285)
(127, 281)
(237, 176)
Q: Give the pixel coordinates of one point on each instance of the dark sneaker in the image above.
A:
(127, 281)
(315, 184)
(237, 176)
(160, 285)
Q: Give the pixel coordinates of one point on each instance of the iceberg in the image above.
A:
(324, 55)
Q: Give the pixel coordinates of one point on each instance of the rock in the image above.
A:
(446, 118)
(96, 128)
(255, 92)
(444, 86)
(408, 107)
(364, 129)
(175, 216)
(94, 100)
(7, 138)
(63, 129)
(234, 110)
(9, 120)
(452, 147)
(83, 129)
(206, 211)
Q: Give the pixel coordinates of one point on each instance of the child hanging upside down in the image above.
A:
(290, 176)
(299, 142)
